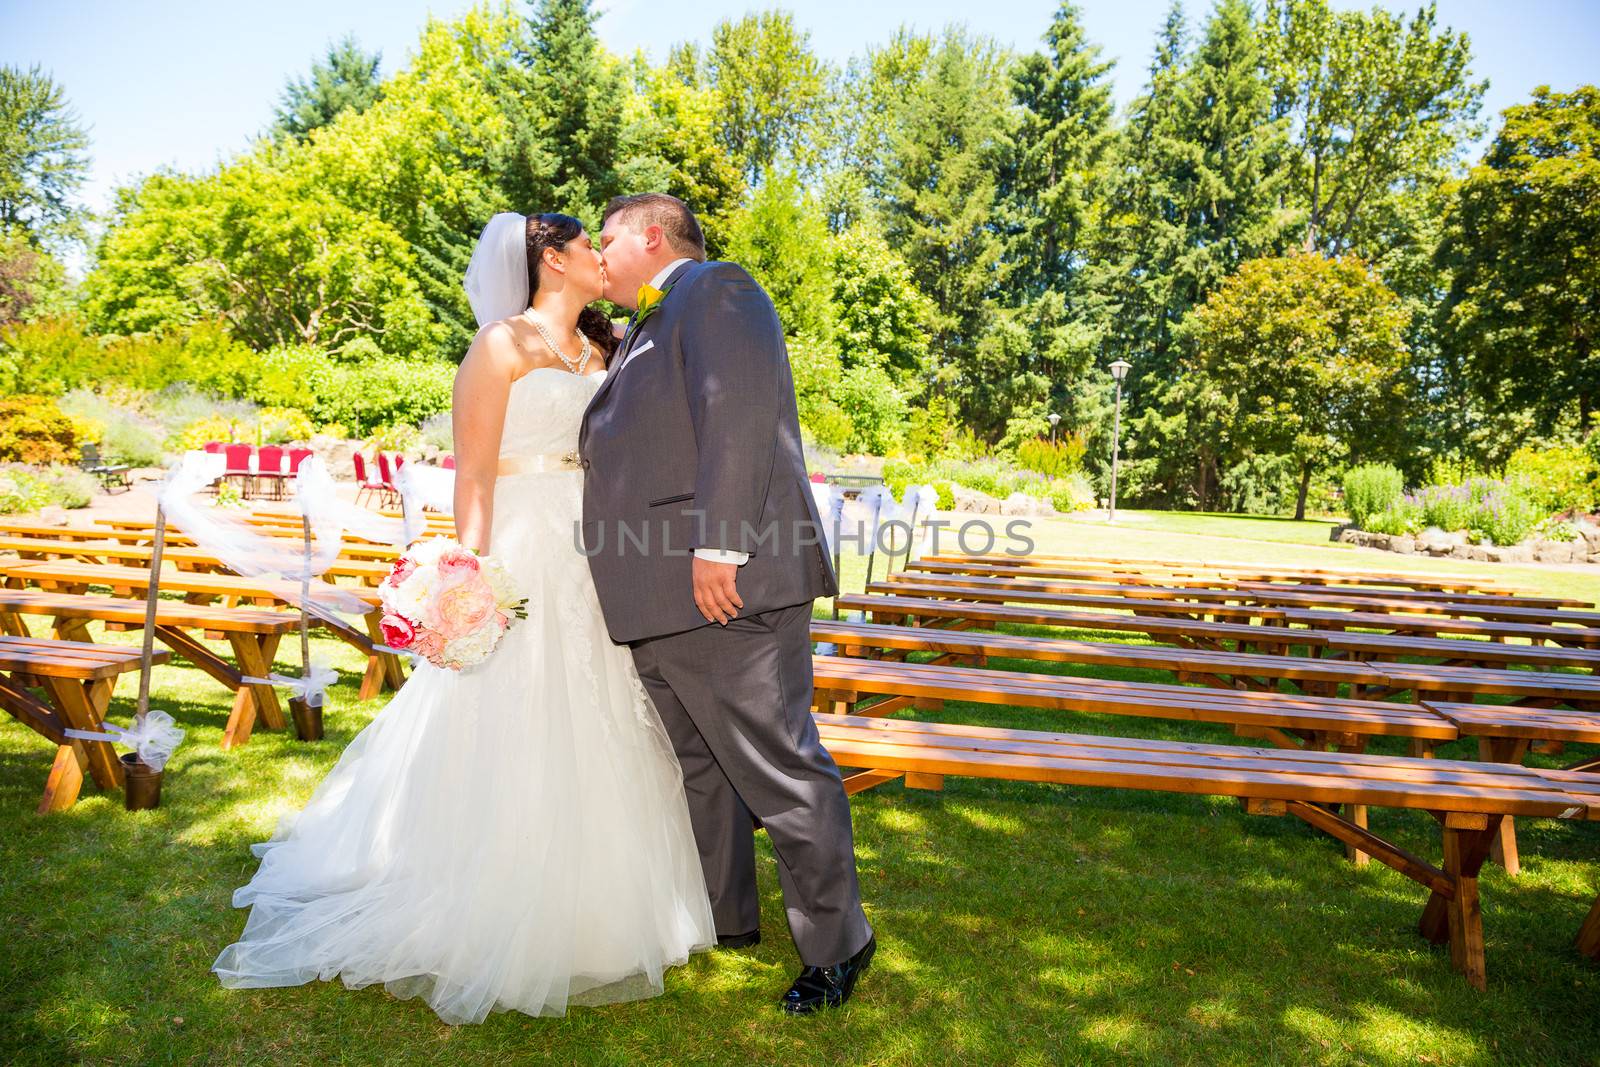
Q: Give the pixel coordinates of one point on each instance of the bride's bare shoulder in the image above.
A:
(495, 346)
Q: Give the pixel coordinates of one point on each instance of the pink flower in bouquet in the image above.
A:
(429, 644)
(458, 561)
(403, 568)
(397, 631)
(463, 606)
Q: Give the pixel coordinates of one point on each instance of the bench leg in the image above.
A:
(1589, 933)
(1458, 917)
(1504, 750)
(83, 708)
(65, 782)
(254, 655)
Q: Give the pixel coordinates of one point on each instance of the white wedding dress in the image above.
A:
(510, 837)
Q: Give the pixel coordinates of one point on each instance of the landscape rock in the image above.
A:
(335, 454)
(970, 500)
(1023, 504)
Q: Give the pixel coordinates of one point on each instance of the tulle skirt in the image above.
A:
(511, 837)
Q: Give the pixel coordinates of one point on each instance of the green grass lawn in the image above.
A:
(1017, 923)
(1253, 527)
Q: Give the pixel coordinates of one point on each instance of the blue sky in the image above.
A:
(189, 82)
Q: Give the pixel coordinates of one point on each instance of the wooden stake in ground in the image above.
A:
(150, 596)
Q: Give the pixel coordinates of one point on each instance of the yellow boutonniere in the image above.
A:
(649, 297)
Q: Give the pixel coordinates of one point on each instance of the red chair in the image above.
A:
(213, 447)
(269, 469)
(399, 461)
(298, 456)
(363, 480)
(236, 464)
(449, 463)
(386, 477)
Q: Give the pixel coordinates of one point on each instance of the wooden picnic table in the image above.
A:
(77, 681)
(1229, 670)
(252, 633)
(368, 571)
(1362, 575)
(1219, 580)
(1181, 630)
(1455, 650)
(1209, 601)
(1468, 800)
(1009, 593)
(383, 667)
(1430, 625)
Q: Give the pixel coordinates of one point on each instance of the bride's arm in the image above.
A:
(478, 415)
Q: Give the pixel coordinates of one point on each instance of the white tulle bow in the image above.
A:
(311, 687)
(154, 737)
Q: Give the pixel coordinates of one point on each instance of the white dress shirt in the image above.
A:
(715, 555)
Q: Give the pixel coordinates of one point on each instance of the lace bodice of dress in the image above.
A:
(545, 410)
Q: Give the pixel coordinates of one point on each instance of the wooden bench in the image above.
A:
(252, 633)
(1014, 593)
(1226, 670)
(1214, 602)
(352, 547)
(1432, 625)
(1181, 631)
(1035, 572)
(383, 668)
(77, 680)
(370, 572)
(1468, 800)
(1278, 572)
(1456, 651)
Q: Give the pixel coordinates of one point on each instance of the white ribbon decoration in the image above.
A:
(154, 738)
(312, 687)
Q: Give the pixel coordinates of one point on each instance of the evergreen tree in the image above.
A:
(948, 136)
(43, 157)
(563, 99)
(346, 78)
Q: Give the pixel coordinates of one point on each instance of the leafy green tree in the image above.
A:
(43, 156)
(771, 88)
(33, 283)
(346, 78)
(671, 143)
(279, 262)
(782, 240)
(1522, 246)
(1300, 356)
(884, 319)
(1375, 105)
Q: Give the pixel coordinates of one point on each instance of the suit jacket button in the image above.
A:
(584, 463)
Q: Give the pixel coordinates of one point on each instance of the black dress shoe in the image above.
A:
(739, 940)
(828, 987)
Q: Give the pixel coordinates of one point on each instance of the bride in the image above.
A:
(513, 836)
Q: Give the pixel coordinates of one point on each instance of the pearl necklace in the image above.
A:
(585, 349)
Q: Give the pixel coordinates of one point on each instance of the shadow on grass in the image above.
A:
(1019, 923)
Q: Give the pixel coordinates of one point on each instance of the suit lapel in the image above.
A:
(630, 338)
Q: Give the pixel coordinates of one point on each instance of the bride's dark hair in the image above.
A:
(552, 230)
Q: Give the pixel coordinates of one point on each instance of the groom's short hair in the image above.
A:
(677, 222)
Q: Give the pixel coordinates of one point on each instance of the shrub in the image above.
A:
(1562, 478)
(1370, 489)
(124, 430)
(875, 407)
(1449, 507)
(438, 431)
(1402, 516)
(1504, 517)
(204, 430)
(34, 430)
(1072, 493)
(26, 489)
(1052, 459)
(279, 426)
(396, 438)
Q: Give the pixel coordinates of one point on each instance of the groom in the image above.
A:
(705, 546)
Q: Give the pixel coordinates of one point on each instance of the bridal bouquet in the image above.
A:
(448, 604)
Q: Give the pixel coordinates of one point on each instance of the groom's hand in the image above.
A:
(714, 592)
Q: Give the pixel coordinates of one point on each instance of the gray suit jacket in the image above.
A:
(694, 442)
